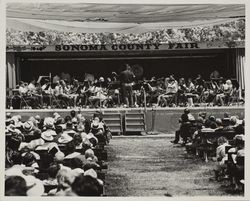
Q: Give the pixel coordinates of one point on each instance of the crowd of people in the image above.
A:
(54, 156)
(124, 90)
(221, 139)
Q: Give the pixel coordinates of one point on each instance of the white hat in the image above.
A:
(240, 137)
(101, 79)
(77, 172)
(56, 116)
(65, 138)
(49, 122)
(34, 185)
(93, 174)
(11, 128)
(47, 136)
(28, 126)
(59, 156)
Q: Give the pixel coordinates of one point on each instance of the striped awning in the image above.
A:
(117, 18)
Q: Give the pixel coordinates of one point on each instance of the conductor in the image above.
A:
(127, 78)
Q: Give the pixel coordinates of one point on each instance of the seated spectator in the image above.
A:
(232, 124)
(90, 155)
(210, 122)
(59, 132)
(28, 130)
(186, 120)
(44, 143)
(86, 186)
(15, 186)
(221, 156)
(17, 167)
(91, 172)
(29, 160)
(240, 128)
(11, 148)
(52, 172)
(236, 170)
(97, 129)
(65, 178)
(65, 138)
(218, 122)
(69, 129)
(78, 141)
(70, 146)
(49, 126)
(39, 122)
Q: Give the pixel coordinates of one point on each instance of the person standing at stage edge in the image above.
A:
(127, 78)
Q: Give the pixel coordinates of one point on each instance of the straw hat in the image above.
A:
(35, 186)
(93, 174)
(65, 138)
(47, 136)
(28, 126)
(49, 122)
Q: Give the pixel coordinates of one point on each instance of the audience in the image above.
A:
(59, 158)
(222, 139)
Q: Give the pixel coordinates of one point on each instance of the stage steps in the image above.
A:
(134, 121)
(114, 122)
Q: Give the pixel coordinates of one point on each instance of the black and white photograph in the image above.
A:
(124, 99)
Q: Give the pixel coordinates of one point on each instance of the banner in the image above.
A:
(126, 47)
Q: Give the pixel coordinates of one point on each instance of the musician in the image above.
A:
(215, 75)
(66, 77)
(172, 88)
(199, 83)
(209, 92)
(83, 93)
(23, 89)
(114, 76)
(55, 79)
(191, 93)
(99, 97)
(190, 86)
(34, 94)
(182, 89)
(155, 90)
(38, 93)
(227, 89)
(47, 92)
(112, 93)
(127, 77)
(73, 91)
(61, 92)
(161, 100)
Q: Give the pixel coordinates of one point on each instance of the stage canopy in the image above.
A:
(117, 18)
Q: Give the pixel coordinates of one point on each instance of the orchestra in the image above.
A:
(123, 89)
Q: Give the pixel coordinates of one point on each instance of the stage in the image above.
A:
(164, 120)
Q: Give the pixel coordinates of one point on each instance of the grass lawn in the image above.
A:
(153, 166)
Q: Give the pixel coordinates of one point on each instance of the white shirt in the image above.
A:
(22, 90)
(32, 87)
